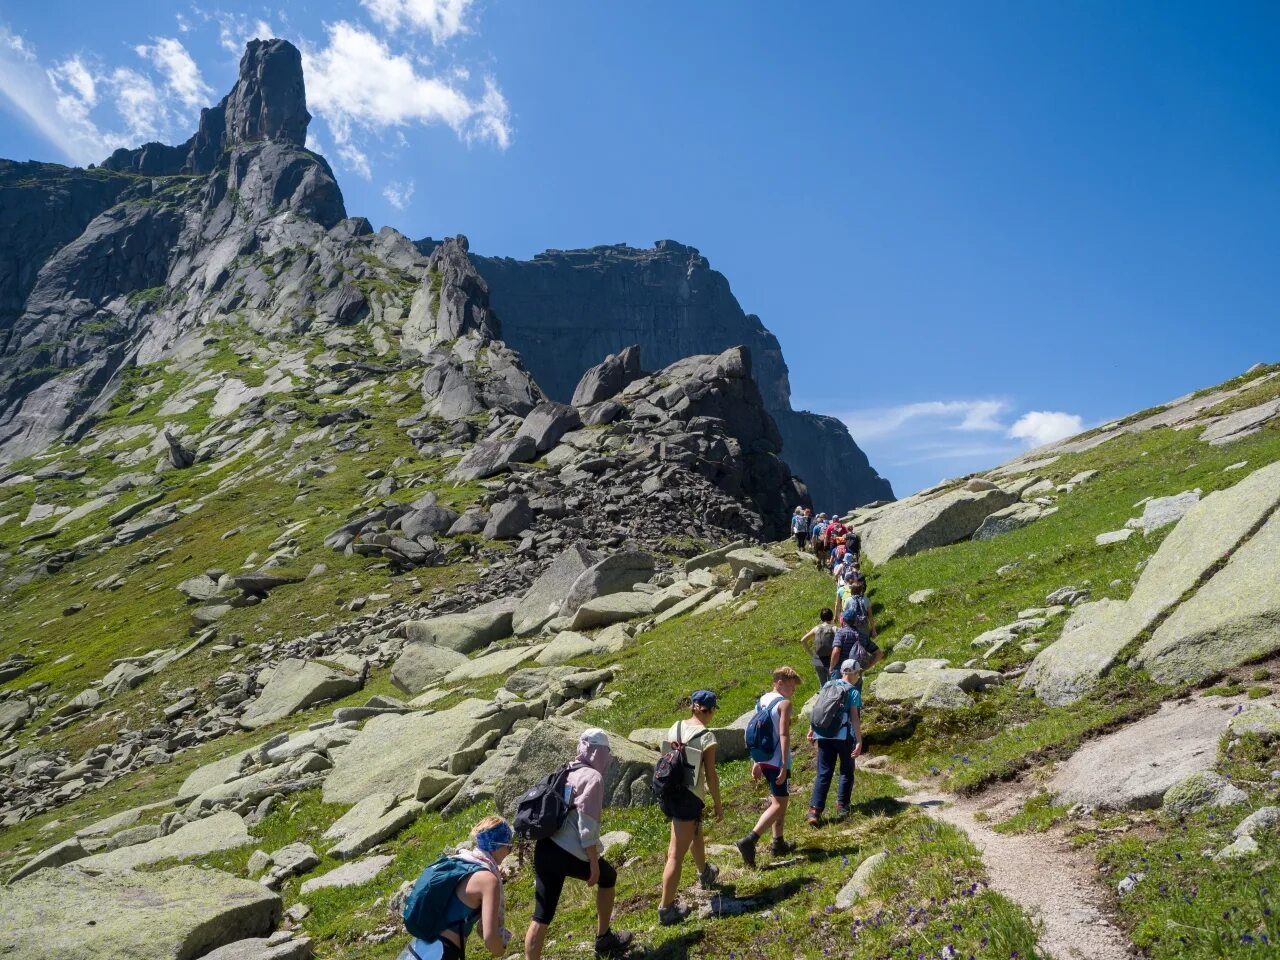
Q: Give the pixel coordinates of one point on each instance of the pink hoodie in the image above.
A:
(581, 828)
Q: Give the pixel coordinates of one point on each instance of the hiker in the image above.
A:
(817, 645)
(686, 812)
(448, 913)
(818, 536)
(855, 637)
(800, 529)
(835, 728)
(853, 543)
(574, 851)
(773, 710)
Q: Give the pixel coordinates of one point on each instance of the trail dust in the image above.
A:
(1050, 880)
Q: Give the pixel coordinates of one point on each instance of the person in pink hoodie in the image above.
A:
(574, 851)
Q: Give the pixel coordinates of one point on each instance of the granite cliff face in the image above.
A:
(565, 310)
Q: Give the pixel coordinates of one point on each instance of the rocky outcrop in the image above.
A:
(932, 518)
(565, 310)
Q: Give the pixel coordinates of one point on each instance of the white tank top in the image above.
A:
(772, 701)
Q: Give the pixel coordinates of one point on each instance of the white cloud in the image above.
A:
(182, 76)
(398, 194)
(356, 82)
(55, 102)
(442, 18)
(942, 414)
(1039, 427)
(235, 30)
(139, 104)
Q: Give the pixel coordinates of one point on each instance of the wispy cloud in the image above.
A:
(952, 436)
(182, 76)
(441, 18)
(398, 194)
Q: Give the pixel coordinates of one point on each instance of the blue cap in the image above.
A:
(705, 699)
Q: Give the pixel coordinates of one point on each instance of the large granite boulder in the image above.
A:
(1134, 767)
(508, 519)
(177, 914)
(462, 632)
(491, 664)
(1096, 635)
(545, 598)
(616, 573)
(547, 423)
(554, 742)
(1232, 619)
(569, 644)
(614, 608)
(608, 377)
(490, 457)
(421, 664)
(390, 751)
(295, 685)
(221, 831)
(926, 521)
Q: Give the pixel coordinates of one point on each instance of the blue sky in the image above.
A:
(973, 227)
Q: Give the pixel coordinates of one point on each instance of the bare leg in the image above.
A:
(773, 815)
(682, 833)
(534, 938)
(699, 848)
(604, 910)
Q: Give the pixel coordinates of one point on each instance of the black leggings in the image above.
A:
(552, 865)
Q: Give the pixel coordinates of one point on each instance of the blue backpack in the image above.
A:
(762, 738)
(428, 902)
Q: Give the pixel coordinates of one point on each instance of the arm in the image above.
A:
(713, 779)
(784, 739)
(491, 929)
(855, 721)
(836, 653)
(807, 641)
(593, 857)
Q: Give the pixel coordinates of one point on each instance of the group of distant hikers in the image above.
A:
(561, 815)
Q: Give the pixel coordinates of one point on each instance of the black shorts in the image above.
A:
(552, 865)
(688, 806)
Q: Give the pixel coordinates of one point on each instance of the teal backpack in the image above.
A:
(428, 902)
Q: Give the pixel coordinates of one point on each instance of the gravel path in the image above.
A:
(1050, 880)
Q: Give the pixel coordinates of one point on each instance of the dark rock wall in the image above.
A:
(564, 311)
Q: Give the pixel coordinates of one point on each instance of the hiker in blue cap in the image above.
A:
(686, 808)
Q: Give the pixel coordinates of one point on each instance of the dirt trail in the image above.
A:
(1050, 880)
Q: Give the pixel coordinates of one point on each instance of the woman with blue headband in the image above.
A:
(477, 897)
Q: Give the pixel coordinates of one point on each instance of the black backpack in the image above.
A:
(542, 808)
(669, 772)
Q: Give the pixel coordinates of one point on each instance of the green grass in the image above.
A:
(1038, 814)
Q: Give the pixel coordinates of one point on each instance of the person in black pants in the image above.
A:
(574, 851)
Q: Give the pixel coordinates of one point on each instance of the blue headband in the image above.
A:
(496, 836)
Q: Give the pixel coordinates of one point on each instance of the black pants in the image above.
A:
(801, 540)
(552, 865)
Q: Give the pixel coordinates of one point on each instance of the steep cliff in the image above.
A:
(565, 310)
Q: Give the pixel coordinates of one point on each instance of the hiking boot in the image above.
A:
(707, 876)
(670, 916)
(613, 944)
(747, 847)
(842, 813)
(782, 847)
(814, 816)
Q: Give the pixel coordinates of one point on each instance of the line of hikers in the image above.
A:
(562, 815)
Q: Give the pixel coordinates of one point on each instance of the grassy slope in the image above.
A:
(929, 895)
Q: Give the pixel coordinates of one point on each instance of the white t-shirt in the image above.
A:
(773, 701)
(697, 740)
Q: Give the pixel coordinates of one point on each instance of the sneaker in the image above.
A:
(782, 847)
(613, 944)
(814, 816)
(707, 876)
(747, 847)
(670, 916)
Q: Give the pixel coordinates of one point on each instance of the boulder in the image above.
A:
(68, 851)
(613, 608)
(759, 562)
(427, 521)
(1162, 511)
(859, 885)
(1260, 718)
(545, 598)
(547, 423)
(199, 588)
(1092, 641)
(1113, 536)
(1241, 424)
(554, 742)
(388, 754)
(462, 632)
(221, 831)
(731, 742)
(616, 573)
(262, 582)
(712, 558)
(1232, 619)
(923, 522)
(1200, 790)
(1135, 766)
(608, 378)
(494, 769)
(177, 914)
(492, 664)
(349, 874)
(264, 948)
(508, 519)
(370, 822)
(929, 682)
(295, 685)
(421, 664)
(569, 645)
(490, 457)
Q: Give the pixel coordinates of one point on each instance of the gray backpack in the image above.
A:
(832, 708)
